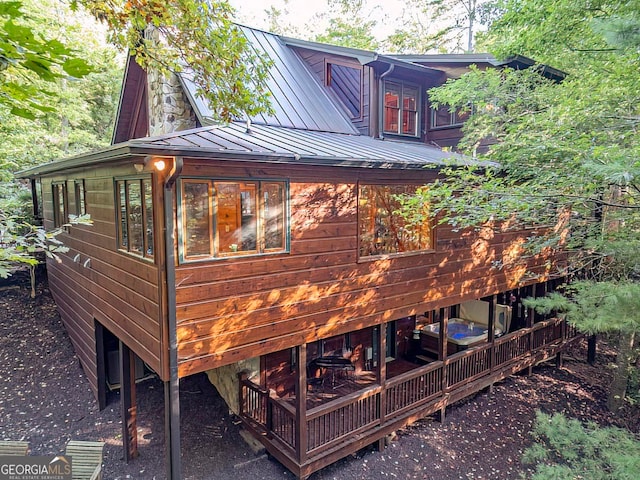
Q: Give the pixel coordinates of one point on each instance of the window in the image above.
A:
(135, 216)
(81, 208)
(59, 191)
(225, 218)
(381, 228)
(401, 109)
(443, 117)
(346, 82)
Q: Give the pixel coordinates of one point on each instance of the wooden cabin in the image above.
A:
(269, 254)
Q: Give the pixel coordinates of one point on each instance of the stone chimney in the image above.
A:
(169, 107)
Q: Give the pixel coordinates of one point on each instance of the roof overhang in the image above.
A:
(264, 144)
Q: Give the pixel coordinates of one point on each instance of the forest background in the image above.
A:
(568, 151)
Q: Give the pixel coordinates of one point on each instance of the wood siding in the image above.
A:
(317, 63)
(232, 309)
(95, 282)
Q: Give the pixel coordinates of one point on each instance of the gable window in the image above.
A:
(381, 228)
(135, 216)
(59, 191)
(346, 82)
(81, 207)
(223, 218)
(444, 117)
(401, 109)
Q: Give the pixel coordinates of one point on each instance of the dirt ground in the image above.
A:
(45, 399)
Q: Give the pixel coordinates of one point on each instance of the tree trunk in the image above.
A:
(618, 388)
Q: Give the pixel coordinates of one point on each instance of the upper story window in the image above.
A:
(346, 82)
(59, 191)
(444, 117)
(222, 218)
(135, 216)
(381, 228)
(401, 112)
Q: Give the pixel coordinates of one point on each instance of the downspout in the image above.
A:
(172, 388)
(381, 101)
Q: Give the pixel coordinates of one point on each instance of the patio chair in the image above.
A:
(10, 447)
(86, 459)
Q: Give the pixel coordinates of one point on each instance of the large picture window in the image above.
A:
(401, 109)
(135, 216)
(226, 218)
(382, 229)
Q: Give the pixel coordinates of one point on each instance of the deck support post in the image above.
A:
(491, 329)
(531, 318)
(381, 371)
(591, 349)
(559, 360)
(101, 367)
(301, 404)
(442, 316)
(128, 402)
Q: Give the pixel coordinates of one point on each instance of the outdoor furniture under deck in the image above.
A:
(86, 459)
(10, 447)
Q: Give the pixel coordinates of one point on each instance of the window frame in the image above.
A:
(60, 210)
(360, 214)
(80, 194)
(401, 110)
(214, 235)
(148, 241)
(454, 122)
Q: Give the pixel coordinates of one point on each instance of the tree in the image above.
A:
(28, 60)
(350, 28)
(443, 25)
(565, 449)
(199, 34)
(567, 154)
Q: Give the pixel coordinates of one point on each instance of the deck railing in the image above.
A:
(412, 389)
(283, 422)
(468, 365)
(347, 416)
(253, 401)
(330, 424)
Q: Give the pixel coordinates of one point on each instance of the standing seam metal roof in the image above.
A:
(297, 98)
(304, 144)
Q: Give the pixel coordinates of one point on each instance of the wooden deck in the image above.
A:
(341, 422)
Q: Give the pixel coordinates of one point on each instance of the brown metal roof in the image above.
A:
(236, 138)
(268, 144)
(297, 99)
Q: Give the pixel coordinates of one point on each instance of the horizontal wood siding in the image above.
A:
(118, 290)
(232, 309)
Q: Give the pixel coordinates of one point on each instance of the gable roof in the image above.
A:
(297, 98)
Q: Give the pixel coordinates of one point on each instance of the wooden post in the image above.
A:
(382, 369)
(491, 329)
(128, 402)
(381, 373)
(101, 367)
(301, 404)
(442, 316)
(531, 317)
(591, 349)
